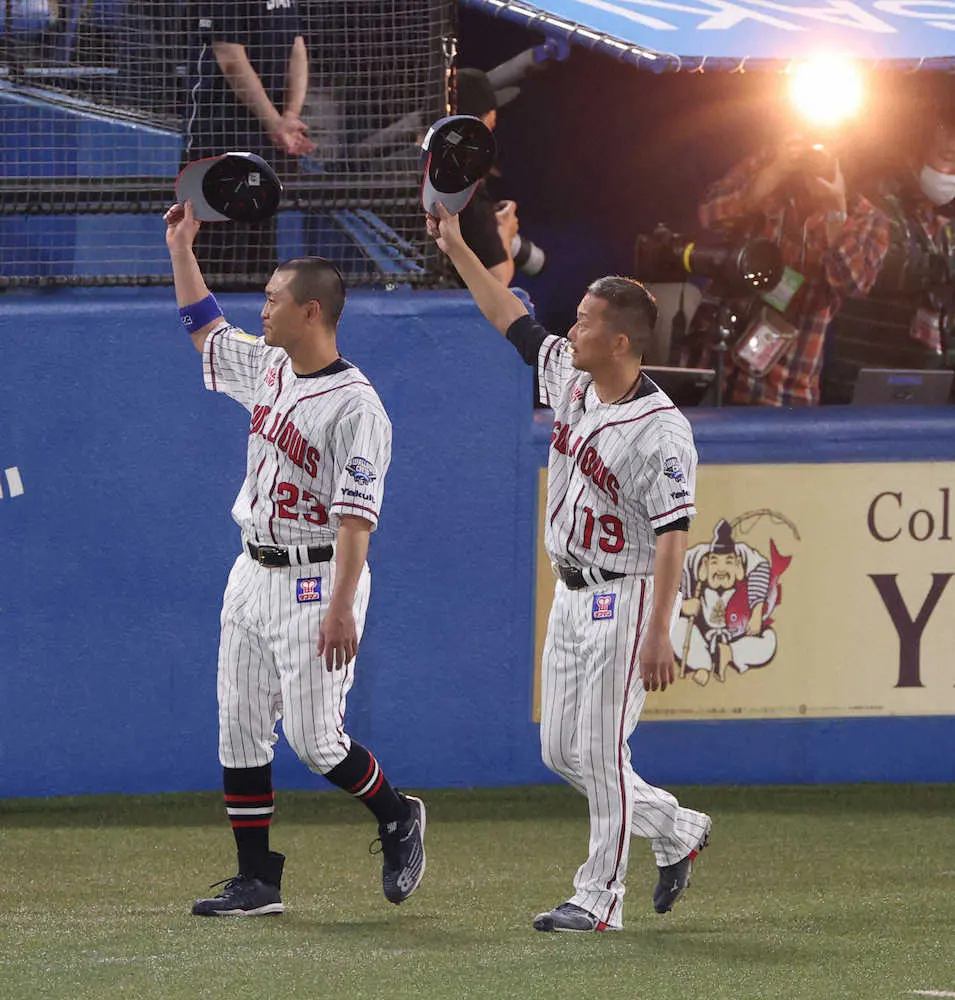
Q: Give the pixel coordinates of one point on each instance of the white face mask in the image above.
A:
(939, 188)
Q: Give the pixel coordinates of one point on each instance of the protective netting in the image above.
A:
(102, 101)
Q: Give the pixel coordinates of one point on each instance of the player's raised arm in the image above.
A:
(198, 308)
(499, 305)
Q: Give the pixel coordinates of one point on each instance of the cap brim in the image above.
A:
(189, 188)
(453, 202)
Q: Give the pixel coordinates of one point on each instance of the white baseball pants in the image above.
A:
(269, 668)
(592, 696)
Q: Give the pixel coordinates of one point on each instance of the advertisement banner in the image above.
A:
(811, 591)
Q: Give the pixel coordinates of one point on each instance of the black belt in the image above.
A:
(574, 578)
(277, 555)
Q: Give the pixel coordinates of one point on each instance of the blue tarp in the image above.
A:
(683, 34)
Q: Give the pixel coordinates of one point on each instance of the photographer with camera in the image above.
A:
(490, 227)
(907, 319)
(832, 246)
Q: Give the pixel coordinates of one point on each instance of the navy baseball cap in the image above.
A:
(236, 187)
(458, 152)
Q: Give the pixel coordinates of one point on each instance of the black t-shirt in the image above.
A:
(479, 228)
(216, 121)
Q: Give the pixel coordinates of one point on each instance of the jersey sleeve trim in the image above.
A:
(674, 510)
(680, 524)
(356, 506)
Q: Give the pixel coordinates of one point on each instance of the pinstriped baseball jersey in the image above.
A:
(319, 445)
(616, 472)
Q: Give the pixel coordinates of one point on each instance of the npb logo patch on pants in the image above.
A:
(308, 590)
(603, 607)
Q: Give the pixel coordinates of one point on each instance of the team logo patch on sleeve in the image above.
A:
(673, 470)
(308, 590)
(361, 470)
(603, 607)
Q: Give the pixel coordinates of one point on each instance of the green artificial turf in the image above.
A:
(822, 893)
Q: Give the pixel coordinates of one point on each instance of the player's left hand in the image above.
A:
(338, 639)
(656, 660)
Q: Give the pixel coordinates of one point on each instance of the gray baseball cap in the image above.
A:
(458, 152)
(233, 187)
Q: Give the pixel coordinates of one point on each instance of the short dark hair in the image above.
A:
(475, 94)
(631, 309)
(316, 279)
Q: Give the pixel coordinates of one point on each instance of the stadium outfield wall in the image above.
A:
(118, 470)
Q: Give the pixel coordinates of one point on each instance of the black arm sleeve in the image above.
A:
(527, 336)
(680, 524)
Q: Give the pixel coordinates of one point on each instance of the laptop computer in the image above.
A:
(878, 386)
(685, 386)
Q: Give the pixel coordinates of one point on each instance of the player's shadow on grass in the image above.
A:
(743, 948)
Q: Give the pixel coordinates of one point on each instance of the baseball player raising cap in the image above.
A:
(620, 482)
(319, 447)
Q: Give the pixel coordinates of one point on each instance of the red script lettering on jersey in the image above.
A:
(286, 437)
(589, 461)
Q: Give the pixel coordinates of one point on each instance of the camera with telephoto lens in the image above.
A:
(736, 267)
(912, 264)
(528, 256)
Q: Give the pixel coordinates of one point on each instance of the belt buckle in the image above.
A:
(265, 552)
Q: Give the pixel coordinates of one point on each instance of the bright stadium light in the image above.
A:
(826, 90)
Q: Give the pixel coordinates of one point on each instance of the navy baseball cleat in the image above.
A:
(675, 878)
(568, 917)
(242, 896)
(402, 850)
(254, 892)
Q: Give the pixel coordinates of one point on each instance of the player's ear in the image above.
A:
(313, 311)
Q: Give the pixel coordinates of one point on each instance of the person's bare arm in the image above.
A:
(338, 635)
(503, 273)
(297, 86)
(241, 76)
(181, 229)
(656, 651)
(286, 132)
(500, 306)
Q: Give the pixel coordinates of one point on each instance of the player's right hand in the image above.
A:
(181, 227)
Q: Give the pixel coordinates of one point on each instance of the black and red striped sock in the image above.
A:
(360, 775)
(250, 803)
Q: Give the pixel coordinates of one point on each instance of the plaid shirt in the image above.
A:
(849, 266)
(937, 224)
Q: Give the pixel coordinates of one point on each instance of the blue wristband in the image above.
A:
(200, 313)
